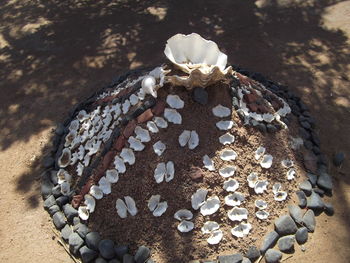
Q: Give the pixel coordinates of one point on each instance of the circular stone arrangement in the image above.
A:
(187, 162)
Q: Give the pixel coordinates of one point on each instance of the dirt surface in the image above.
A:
(54, 54)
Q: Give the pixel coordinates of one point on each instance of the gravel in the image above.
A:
(56, 191)
(309, 220)
(269, 241)
(142, 254)
(50, 201)
(315, 202)
(106, 248)
(285, 225)
(286, 243)
(273, 256)
(301, 235)
(59, 220)
(92, 239)
(302, 201)
(87, 254)
(75, 242)
(296, 213)
(306, 187)
(235, 258)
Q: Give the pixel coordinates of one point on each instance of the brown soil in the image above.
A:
(54, 54)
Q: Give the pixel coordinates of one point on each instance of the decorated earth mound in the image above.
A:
(189, 161)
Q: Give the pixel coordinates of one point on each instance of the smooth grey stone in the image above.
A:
(50, 201)
(142, 254)
(152, 261)
(106, 248)
(46, 185)
(66, 232)
(309, 220)
(301, 198)
(312, 178)
(75, 242)
(200, 95)
(329, 209)
(308, 145)
(306, 187)
(53, 209)
(59, 129)
(127, 258)
(338, 159)
(296, 213)
(87, 254)
(114, 261)
(53, 177)
(100, 260)
(306, 125)
(121, 250)
(56, 191)
(319, 191)
(92, 240)
(285, 225)
(304, 134)
(253, 253)
(325, 181)
(62, 200)
(271, 128)
(76, 220)
(273, 256)
(269, 241)
(48, 162)
(286, 243)
(81, 229)
(246, 260)
(59, 220)
(70, 212)
(301, 235)
(235, 258)
(315, 202)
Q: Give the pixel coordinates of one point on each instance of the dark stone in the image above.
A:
(304, 133)
(100, 260)
(253, 253)
(127, 258)
(66, 232)
(306, 125)
(200, 95)
(312, 178)
(286, 243)
(81, 229)
(75, 242)
(316, 150)
(285, 225)
(308, 145)
(322, 159)
(301, 198)
(329, 209)
(296, 213)
(315, 202)
(338, 159)
(235, 258)
(301, 235)
(325, 181)
(59, 220)
(56, 191)
(121, 250)
(106, 248)
(114, 261)
(306, 187)
(46, 185)
(53, 209)
(273, 256)
(246, 260)
(261, 127)
(142, 254)
(87, 254)
(309, 220)
(50, 201)
(319, 191)
(62, 200)
(271, 128)
(48, 162)
(92, 240)
(269, 241)
(70, 212)
(315, 139)
(59, 129)
(76, 220)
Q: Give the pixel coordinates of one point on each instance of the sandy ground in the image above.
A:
(55, 53)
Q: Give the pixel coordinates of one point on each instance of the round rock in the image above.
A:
(59, 220)
(92, 240)
(309, 220)
(273, 256)
(301, 235)
(106, 248)
(269, 241)
(142, 254)
(87, 254)
(286, 243)
(81, 229)
(325, 181)
(285, 225)
(100, 260)
(127, 258)
(296, 213)
(53, 209)
(306, 187)
(75, 243)
(253, 253)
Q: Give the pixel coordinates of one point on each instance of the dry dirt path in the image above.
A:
(55, 53)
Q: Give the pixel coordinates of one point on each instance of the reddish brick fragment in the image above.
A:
(250, 98)
(77, 199)
(119, 143)
(86, 188)
(253, 107)
(158, 109)
(129, 129)
(107, 159)
(145, 116)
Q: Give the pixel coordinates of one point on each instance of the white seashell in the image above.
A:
(280, 196)
(122, 210)
(86, 160)
(184, 138)
(227, 171)
(260, 186)
(276, 188)
(94, 148)
(112, 176)
(70, 138)
(159, 73)
(75, 143)
(268, 117)
(133, 99)
(238, 214)
(107, 120)
(175, 102)
(228, 155)
(221, 111)
(153, 202)
(170, 171)
(74, 125)
(148, 86)
(185, 226)
(83, 212)
(209, 227)
(65, 188)
(135, 144)
(208, 163)
(224, 125)
(287, 163)
(74, 158)
(128, 156)
(259, 152)
(231, 185)
(241, 230)
(194, 140)
(104, 185)
(215, 237)
(119, 164)
(131, 206)
(160, 172)
(291, 174)
(159, 148)
(81, 152)
(262, 214)
(80, 169)
(198, 198)
(160, 122)
(161, 208)
(126, 106)
(210, 206)
(227, 138)
(96, 192)
(252, 179)
(64, 159)
(152, 127)
(63, 176)
(172, 116)
(266, 162)
(82, 115)
(142, 134)
(260, 204)
(234, 199)
(183, 214)
(90, 203)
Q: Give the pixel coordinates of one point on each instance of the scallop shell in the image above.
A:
(183, 214)
(287, 163)
(227, 171)
(262, 214)
(227, 138)
(112, 176)
(228, 155)
(215, 237)
(221, 111)
(96, 192)
(260, 204)
(209, 227)
(159, 148)
(231, 185)
(234, 199)
(175, 102)
(64, 160)
(252, 179)
(224, 125)
(210, 206)
(128, 156)
(185, 226)
(241, 230)
(90, 203)
(261, 186)
(152, 127)
(83, 212)
(172, 116)
(291, 174)
(160, 122)
(119, 164)
(208, 163)
(135, 144)
(259, 152)
(238, 214)
(142, 134)
(266, 162)
(198, 198)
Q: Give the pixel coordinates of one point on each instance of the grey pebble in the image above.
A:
(253, 253)
(304, 133)
(286, 243)
(329, 209)
(261, 127)
(92, 239)
(325, 181)
(338, 159)
(75, 242)
(269, 241)
(301, 198)
(81, 229)
(70, 212)
(312, 178)
(46, 185)
(56, 191)
(87, 254)
(306, 187)
(246, 260)
(285, 225)
(59, 220)
(271, 128)
(48, 162)
(296, 213)
(66, 232)
(200, 95)
(50, 201)
(273, 256)
(106, 248)
(127, 258)
(53, 209)
(315, 202)
(142, 254)
(114, 261)
(121, 250)
(319, 191)
(309, 220)
(306, 125)
(301, 235)
(234, 258)
(100, 260)
(62, 200)
(308, 145)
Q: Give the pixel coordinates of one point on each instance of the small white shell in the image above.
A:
(224, 125)
(228, 155)
(259, 152)
(159, 173)
(128, 156)
(86, 160)
(175, 102)
(70, 138)
(131, 206)
(104, 185)
(260, 204)
(287, 163)
(74, 125)
(198, 198)
(63, 176)
(183, 214)
(231, 185)
(90, 203)
(170, 171)
(260, 186)
(252, 179)
(153, 202)
(64, 159)
(184, 138)
(161, 209)
(185, 226)
(160, 122)
(172, 116)
(142, 134)
(280, 196)
(227, 171)
(159, 148)
(82, 115)
(133, 99)
(266, 162)
(209, 227)
(241, 230)
(122, 210)
(291, 174)
(210, 206)
(221, 111)
(83, 212)
(112, 176)
(276, 188)
(148, 86)
(65, 188)
(215, 237)
(234, 199)
(262, 214)
(208, 163)
(135, 144)
(194, 140)
(96, 192)
(227, 138)
(119, 164)
(237, 214)
(152, 127)
(81, 152)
